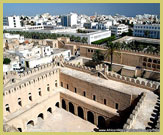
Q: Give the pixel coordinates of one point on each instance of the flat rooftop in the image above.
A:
(110, 84)
(62, 121)
(138, 39)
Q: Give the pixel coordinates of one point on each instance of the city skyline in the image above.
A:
(127, 9)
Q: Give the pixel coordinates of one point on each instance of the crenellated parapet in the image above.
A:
(133, 115)
(132, 81)
(79, 67)
(121, 50)
(30, 82)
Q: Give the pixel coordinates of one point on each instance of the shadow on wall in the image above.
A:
(117, 122)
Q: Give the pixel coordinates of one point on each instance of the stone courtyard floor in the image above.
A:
(62, 121)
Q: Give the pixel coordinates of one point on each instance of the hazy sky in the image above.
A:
(84, 8)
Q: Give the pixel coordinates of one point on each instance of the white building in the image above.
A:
(92, 35)
(12, 22)
(69, 20)
(119, 29)
(147, 30)
(13, 36)
(36, 56)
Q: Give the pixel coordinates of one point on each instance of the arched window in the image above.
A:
(19, 102)
(149, 65)
(145, 59)
(7, 108)
(144, 64)
(39, 92)
(90, 117)
(30, 96)
(48, 88)
(149, 60)
(56, 84)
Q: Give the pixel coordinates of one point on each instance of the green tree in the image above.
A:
(6, 61)
(97, 57)
(111, 48)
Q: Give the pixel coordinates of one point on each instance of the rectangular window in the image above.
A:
(61, 84)
(104, 101)
(67, 86)
(56, 83)
(94, 97)
(84, 94)
(116, 106)
(75, 89)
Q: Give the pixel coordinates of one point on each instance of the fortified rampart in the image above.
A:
(133, 115)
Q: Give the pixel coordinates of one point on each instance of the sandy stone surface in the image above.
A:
(62, 121)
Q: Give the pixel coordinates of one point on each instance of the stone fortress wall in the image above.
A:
(135, 58)
(40, 89)
(134, 113)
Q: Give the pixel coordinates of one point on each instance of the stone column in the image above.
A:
(85, 113)
(95, 119)
(67, 106)
(75, 109)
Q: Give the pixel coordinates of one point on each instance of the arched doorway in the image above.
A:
(41, 115)
(71, 107)
(19, 129)
(57, 104)
(49, 110)
(101, 122)
(63, 104)
(80, 112)
(90, 117)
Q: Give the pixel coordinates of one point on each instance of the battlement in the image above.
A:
(30, 82)
(132, 81)
(112, 76)
(122, 50)
(133, 115)
(79, 67)
(7, 76)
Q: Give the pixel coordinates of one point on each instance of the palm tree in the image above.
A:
(97, 57)
(111, 48)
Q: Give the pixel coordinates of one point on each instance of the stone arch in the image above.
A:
(57, 104)
(153, 66)
(158, 66)
(145, 59)
(31, 122)
(101, 122)
(63, 104)
(80, 112)
(144, 64)
(71, 107)
(19, 129)
(154, 61)
(49, 110)
(41, 115)
(90, 117)
(149, 60)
